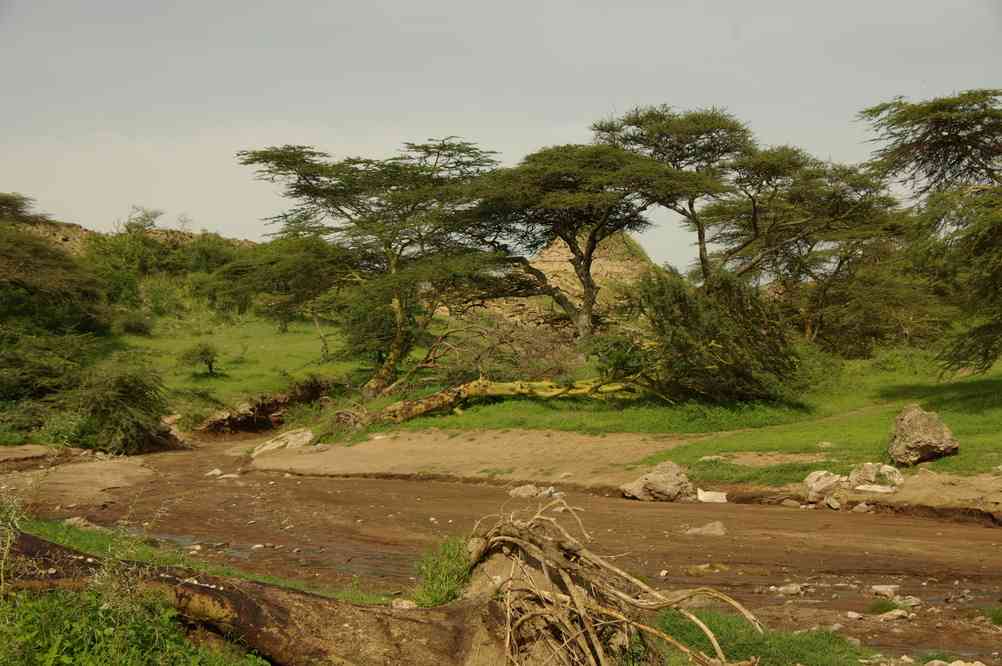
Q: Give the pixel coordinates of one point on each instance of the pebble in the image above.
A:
(886, 591)
(716, 528)
(790, 503)
(214, 472)
(791, 589)
(403, 604)
(257, 546)
(897, 614)
(853, 615)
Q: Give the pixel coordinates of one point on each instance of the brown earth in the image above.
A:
(332, 531)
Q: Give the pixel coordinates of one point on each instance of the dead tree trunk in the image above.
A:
(287, 627)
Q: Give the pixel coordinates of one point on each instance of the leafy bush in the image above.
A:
(202, 353)
(120, 402)
(443, 572)
(164, 295)
(717, 343)
(35, 365)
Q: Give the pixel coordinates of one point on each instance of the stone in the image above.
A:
(862, 507)
(228, 476)
(710, 496)
(287, 441)
(875, 474)
(712, 459)
(885, 591)
(665, 483)
(896, 614)
(853, 615)
(832, 503)
(908, 601)
(790, 503)
(403, 604)
(214, 472)
(81, 523)
(920, 436)
(525, 492)
(873, 488)
(791, 589)
(716, 528)
(820, 484)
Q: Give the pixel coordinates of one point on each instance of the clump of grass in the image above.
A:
(994, 613)
(83, 628)
(739, 640)
(926, 657)
(881, 606)
(443, 573)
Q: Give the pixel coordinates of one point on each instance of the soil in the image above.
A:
(370, 531)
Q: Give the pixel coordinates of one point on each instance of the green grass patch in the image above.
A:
(926, 657)
(881, 606)
(443, 572)
(994, 613)
(119, 545)
(89, 629)
(739, 641)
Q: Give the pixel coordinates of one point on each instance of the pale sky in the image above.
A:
(108, 103)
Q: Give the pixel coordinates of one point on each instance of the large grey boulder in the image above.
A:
(665, 483)
(919, 436)
(293, 439)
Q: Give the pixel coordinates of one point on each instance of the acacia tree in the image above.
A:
(579, 194)
(695, 150)
(949, 149)
(400, 217)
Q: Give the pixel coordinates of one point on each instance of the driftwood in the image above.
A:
(287, 627)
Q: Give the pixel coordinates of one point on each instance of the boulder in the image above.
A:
(920, 436)
(525, 492)
(875, 474)
(665, 483)
(293, 439)
(710, 496)
(820, 484)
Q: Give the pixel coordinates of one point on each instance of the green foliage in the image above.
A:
(42, 287)
(994, 613)
(35, 365)
(81, 628)
(201, 354)
(720, 343)
(942, 142)
(118, 405)
(881, 606)
(132, 322)
(739, 641)
(443, 573)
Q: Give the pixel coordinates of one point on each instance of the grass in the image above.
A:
(994, 613)
(881, 606)
(89, 629)
(775, 648)
(109, 543)
(443, 572)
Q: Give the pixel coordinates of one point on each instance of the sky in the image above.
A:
(110, 103)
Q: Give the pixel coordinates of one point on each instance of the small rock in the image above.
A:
(214, 472)
(716, 528)
(257, 546)
(820, 484)
(228, 476)
(527, 491)
(832, 503)
(862, 507)
(885, 591)
(790, 503)
(293, 439)
(403, 604)
(908, 602)
(665, 483)
(875, 474)
(853, 615)
(712, 459)
(873, 488)
(663, 573)
(791, 589)
(711, 497)
(896, 614)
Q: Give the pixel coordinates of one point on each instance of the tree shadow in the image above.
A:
(968, 396)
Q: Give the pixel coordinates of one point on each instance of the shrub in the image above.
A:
(35, 365)
(717, 343)
(164, 295)
(202, 353)
(121, 402)
(443, 572)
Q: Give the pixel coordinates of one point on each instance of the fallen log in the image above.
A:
(287, 627)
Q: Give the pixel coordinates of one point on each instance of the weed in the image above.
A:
(443, 572)
(994, 613)
(491, 472)
(774, 648)
(881, 606)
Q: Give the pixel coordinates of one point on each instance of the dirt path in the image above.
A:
(331, 531)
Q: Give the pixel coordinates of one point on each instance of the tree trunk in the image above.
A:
(394, 355)
(324, 349)
(481, 388)
(288, 627)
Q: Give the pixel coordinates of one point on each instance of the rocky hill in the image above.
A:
(73, 237)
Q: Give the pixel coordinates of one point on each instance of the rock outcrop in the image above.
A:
(920, 436)
(665, 483)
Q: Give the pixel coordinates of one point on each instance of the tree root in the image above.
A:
(563, 600)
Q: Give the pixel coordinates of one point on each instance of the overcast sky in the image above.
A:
(108, 103)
